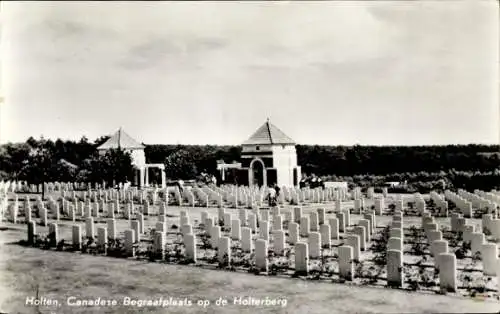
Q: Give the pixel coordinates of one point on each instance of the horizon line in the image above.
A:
(296, 144)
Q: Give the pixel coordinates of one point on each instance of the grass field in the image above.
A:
(61, 275)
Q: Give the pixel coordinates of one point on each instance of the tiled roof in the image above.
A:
(268, 134)
(121, 140)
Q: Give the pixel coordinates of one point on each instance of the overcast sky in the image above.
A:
(333, 73)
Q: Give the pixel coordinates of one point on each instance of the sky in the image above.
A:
(327, 73)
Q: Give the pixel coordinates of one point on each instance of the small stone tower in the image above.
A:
(269, 157)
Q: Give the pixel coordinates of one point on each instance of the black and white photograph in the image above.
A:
(249, 157)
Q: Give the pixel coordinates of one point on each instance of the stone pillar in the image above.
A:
(346, 266)
(261, 255)
(301, 258)
(141, 175)
(353, 241)
(190, 244)
(394, 268)
(448, 272)
(163, 179)
(77, 237)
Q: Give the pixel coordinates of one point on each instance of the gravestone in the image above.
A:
(394, 268)
(395, 244)
(224, 251)
(261, 249)
(279, 242)
(314, 244)
(361, 232)
(134, 224)
(264, 230)
(346, 266)
(325, 236)
(215, 234)
(301, 258)
(235, 229)
(89, 227)
(447, 272)
(129, 242)
(438, 247)
(190, 244)
(304, 226)
(489, 256)
(293, 233)
(353, 241)
(334, 228)
(246, 239)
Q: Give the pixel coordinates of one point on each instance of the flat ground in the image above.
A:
(62, 274)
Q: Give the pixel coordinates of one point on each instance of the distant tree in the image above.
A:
(181, 165)
(12, 158)
(37, 166)
(115, 165)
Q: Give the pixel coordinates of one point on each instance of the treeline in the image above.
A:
(383, 160)
(61, 160)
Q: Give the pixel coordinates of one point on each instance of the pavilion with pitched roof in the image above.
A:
(123, 141)
(269, 157)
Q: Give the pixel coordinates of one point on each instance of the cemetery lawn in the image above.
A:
(62, 274)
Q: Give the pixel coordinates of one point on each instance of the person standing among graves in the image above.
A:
(271, 196)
